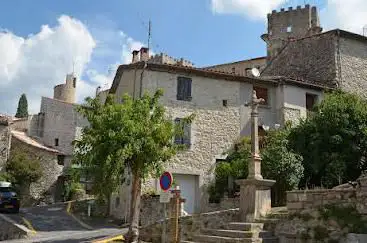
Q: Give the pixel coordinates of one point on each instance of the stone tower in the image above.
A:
(285, 26)
(66, 91)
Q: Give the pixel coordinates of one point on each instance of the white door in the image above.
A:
(189, 186)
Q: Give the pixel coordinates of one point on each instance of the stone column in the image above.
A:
(255, 194)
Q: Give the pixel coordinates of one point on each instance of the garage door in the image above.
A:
(189, 185)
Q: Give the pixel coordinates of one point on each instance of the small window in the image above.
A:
(225, 103)
(74, 82)
(60, 159)
(310, 101)
(184, 138)
(262, 93)
(233, 70)
(56, 142)
(184, 88)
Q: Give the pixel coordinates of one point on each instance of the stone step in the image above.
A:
(237, 233)
(222, 239)
(246, 226)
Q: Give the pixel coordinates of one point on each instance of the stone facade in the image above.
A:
(46, 187)
(217, 124)
(353, 65)
(59, 124)
(287, 24)
(4, 143)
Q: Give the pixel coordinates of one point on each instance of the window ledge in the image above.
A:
(265, 106)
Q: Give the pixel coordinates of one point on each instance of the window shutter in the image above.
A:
(180, 88)
(187, 134)
(178, 137)
(188, 89)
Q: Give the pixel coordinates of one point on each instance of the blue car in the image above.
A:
(9, 201)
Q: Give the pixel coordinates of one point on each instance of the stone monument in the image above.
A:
(255, 192)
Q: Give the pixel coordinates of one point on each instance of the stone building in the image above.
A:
(48, 188)
(5, 138)
(218, 99)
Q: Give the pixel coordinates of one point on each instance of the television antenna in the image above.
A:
(255, 72)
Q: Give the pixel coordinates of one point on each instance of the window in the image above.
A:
(60, 159)
(225, 103)
(310, 101)
(74, 82)
(262, 93)
(233, 70)
(184, 88)
(262, 134)
(185, 135)
(56, 142)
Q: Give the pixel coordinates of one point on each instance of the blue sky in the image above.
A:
(97, 35)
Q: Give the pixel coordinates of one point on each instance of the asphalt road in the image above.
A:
(54, 224)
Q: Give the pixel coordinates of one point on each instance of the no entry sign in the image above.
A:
(166, 181)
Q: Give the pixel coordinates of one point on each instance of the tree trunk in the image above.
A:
(133, 234)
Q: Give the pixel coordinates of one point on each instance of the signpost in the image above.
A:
(165, 182)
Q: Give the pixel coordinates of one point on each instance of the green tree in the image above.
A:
(23, 170)
(333, 141)
(22, 110)
(235, 167)
(135, 135)
(281, 164)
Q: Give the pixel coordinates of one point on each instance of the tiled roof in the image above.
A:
(205, 73)
(32, 142)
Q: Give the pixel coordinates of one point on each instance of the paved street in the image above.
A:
(54, 224)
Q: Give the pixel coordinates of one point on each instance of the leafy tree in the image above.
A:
(333, 141)
(23, 170)
(22, 110)
(235, 166)
(134, 135)
(281, 164)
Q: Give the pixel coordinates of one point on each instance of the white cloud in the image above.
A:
(35, 64)
(349, 15)
(254, 9)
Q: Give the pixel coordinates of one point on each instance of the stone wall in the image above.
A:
(313, 199)
(331, 215)
(191, 225)
(353, 68)
(224, 204)
(10, 230)
(4, 144)
(51, 170)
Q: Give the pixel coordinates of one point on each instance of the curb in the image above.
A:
(109, 239)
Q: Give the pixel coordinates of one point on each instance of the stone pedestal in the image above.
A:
(255, 198)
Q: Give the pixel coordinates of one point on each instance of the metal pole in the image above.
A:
(164, 231)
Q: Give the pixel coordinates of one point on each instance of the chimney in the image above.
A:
(144, 54)
(135, 56)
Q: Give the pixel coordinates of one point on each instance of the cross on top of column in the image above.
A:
(255, 102)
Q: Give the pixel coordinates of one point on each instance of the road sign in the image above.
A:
(166, 181)
(165, 197)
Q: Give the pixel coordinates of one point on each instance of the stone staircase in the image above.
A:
(262, 231)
